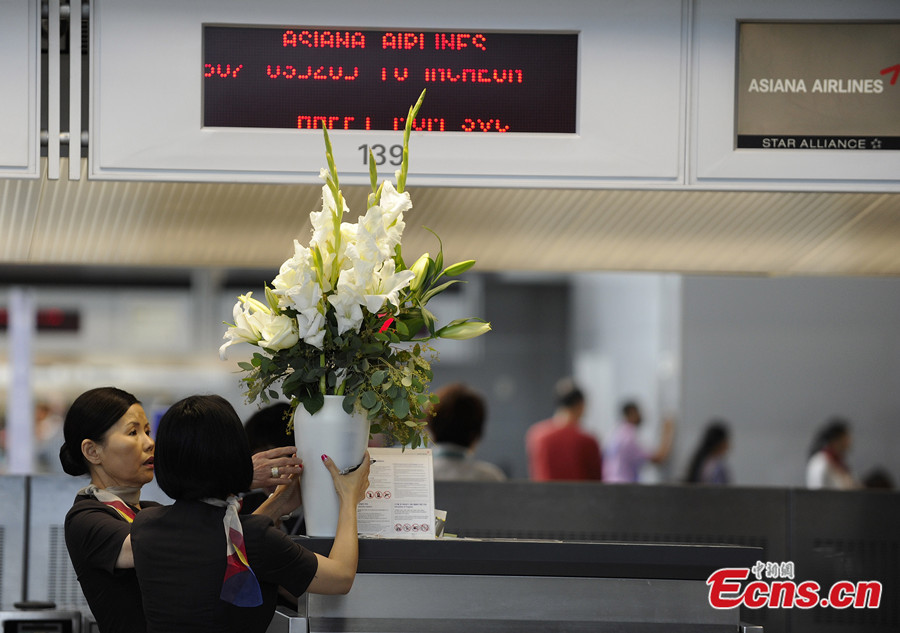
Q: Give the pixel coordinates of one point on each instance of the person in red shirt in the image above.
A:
(558, 449)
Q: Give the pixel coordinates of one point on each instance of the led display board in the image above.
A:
(305, 77)
(517, 94)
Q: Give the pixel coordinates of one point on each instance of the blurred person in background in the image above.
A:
(48, 435)
(708, 465)
(558, 448)
(456, 424)
(827, 466)
(625, 456)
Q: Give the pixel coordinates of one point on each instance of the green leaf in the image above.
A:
(349, 403)
(428, 317)
(378, 378)
(373, 174)
(428, 296)
(401, 407)
(371, 349)
(314, 402)
(368, 399)
(245, 366)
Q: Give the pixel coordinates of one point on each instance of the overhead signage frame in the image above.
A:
(818, 85)
(807, 101)
(148, 70)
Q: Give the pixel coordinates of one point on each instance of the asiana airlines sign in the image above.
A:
(822, 85)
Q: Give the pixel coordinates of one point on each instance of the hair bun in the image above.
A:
(71, 464)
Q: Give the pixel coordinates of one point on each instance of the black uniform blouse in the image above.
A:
(94, 536)
(179, 556)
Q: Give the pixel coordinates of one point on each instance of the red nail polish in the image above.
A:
(324, 457)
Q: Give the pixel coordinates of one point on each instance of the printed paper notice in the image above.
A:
(399, 502)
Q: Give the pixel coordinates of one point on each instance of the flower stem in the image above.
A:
(322, 382)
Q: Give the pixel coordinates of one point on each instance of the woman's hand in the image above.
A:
(284, 459)
(352, 486)
(284, 500)
(337, 571)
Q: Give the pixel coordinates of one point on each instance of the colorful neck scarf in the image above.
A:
(112, 498)
(240, 586)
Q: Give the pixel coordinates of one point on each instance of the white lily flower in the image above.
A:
(277, 332)
(246, 327)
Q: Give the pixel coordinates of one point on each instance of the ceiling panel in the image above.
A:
(160, 224)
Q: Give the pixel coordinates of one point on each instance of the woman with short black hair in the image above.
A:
(202, 566)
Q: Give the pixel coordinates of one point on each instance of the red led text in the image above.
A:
(217, 70)
(474, 75)
(323, 39)
(291, 72)
(477, 125)
(403, 41)
(459, 41)
(421, 125)
(314, 122)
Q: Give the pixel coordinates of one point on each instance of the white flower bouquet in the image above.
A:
(345, 316)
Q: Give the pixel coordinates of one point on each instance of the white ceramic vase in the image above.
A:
(340, 435)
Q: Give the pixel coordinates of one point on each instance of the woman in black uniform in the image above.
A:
(107, 436)
(203, 567)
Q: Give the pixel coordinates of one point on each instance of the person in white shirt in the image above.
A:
(827, 468)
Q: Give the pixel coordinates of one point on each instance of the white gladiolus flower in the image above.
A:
(303, 296)
(387, 286)
(395, 204)
(311, 324)
(347, 303)
(296, 273)
(323, 221)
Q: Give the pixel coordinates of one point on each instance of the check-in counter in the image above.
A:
(498, 586)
